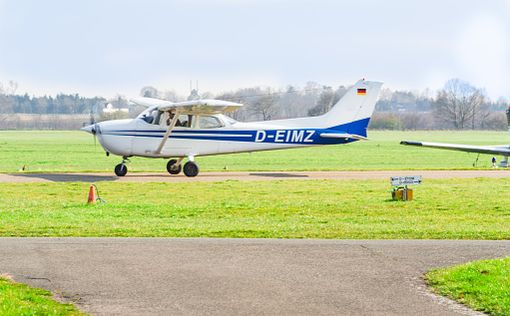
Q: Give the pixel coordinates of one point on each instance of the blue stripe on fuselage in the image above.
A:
(305, 136)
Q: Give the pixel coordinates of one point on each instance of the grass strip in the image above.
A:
(482, 285)
(351, 209)
(21, 299)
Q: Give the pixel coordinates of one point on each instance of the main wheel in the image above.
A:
(191, 169)
(172, 167)
(120, 170)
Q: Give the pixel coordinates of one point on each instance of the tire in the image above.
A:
(191, 169)
(171, 168)
(120, 170)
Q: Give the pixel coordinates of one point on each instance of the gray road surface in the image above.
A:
(220, 176)
(157, 276)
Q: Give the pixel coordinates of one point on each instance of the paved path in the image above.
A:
(220, 176)
(137, 276)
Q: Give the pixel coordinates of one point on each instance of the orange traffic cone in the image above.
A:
(92, 195)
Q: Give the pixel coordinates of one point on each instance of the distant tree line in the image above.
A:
(60, 104)
(458, 105)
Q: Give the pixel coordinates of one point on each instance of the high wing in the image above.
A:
(194, 107)
(495, 150)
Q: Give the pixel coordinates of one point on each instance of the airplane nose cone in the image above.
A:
(89, 129)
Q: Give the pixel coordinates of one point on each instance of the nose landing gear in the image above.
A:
(121, 169)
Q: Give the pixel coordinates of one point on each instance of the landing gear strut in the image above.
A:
(121, 169)
(174, 166)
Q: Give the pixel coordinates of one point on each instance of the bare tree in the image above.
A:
(149, 92)
(264, 105)
(325, 102)
(12, 87)
(459, 103)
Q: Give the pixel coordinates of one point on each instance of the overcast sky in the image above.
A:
(100, 47)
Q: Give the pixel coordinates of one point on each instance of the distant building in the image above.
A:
(108, 108)
(194, 95)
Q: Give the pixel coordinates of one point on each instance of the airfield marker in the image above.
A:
(400, 190)
(92, 195)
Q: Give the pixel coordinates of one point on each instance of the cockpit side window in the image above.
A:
(184, 121)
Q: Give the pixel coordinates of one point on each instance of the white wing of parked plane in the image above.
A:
(494, 150)
(194, 107)
(503, 150)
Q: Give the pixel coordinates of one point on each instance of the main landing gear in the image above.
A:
(174, 166)
(121, 169)
(190, 168)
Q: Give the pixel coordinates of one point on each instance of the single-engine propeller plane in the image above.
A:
(503, 150)
(199, 128)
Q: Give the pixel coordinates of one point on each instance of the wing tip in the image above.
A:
(410, 143)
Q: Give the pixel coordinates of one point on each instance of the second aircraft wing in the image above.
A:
(494, 150)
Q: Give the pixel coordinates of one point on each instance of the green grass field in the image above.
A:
(442, 209)
(74, 151)
(20, 299)
(482, 285)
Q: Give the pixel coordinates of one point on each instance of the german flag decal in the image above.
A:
(362, 91)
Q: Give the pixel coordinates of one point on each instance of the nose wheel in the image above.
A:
(121, 169)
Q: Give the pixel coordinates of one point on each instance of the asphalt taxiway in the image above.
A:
(167, 276)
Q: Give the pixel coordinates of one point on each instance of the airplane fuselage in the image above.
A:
(199, 128)
(137, 138)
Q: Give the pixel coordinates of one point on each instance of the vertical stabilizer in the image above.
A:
(355, 107)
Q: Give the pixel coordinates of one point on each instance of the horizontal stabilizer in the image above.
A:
(343, 135)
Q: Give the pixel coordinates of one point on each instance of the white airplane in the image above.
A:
(199, 128)
(492, 150)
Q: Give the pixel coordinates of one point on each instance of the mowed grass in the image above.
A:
(20, 299)
(442, 209)
(482, 285)
(74, 151)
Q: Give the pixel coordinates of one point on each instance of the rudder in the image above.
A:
(357, 105)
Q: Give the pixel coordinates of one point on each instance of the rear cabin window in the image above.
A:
(209, 122)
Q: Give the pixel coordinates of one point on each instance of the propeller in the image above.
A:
(93, 127)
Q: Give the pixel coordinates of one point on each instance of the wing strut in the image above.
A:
(167, 134)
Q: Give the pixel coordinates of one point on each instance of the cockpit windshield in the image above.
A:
(149, 115)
